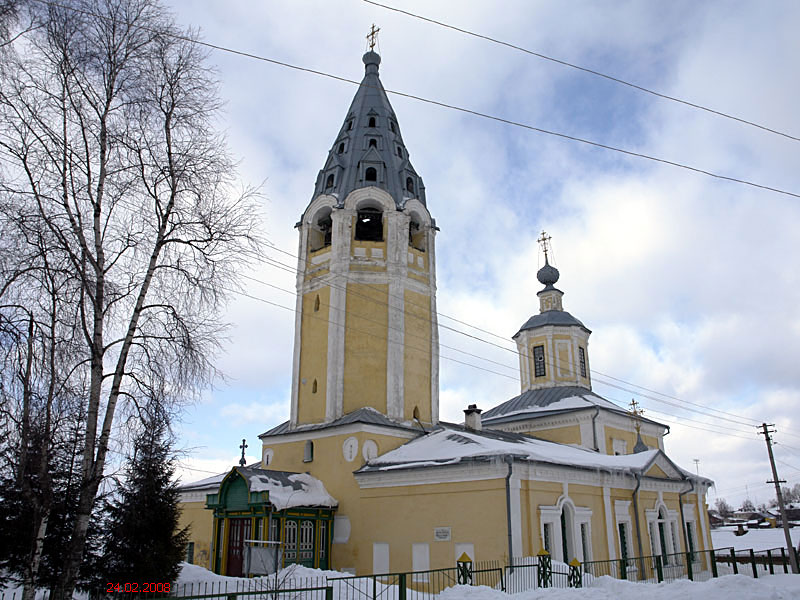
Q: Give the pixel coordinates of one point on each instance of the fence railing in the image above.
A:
(513, 576)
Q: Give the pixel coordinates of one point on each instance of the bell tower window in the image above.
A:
(582, 361)
(329, 182)
(409, 185)
(416, 237)
(372, 121)
(341, 148)
(320, 235)
(371, 174)
(369, 225)
(373, 143)
(538, 361)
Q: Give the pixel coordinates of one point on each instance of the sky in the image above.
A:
(689, 283)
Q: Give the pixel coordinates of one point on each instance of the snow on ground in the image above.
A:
(731, 587)
(757, 539)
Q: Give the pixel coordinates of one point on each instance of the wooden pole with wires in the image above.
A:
(765, 431)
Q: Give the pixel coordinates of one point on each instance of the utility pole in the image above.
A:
(765, 431)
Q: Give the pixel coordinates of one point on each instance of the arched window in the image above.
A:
(371, 174)
(314, 387)
(567, 533)
(349, 125)
(369, 225)
(373, 143)
(341, 148)
(320, 234)
(329, 182)
(372, 121)
(416, 236)
(392, 127)
(409, 185)
(316, 309)
(416, 413)
(399, 152)
(308, 451)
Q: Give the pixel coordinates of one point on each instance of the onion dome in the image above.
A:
(547, 275)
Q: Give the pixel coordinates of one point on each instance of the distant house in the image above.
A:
(715, 519)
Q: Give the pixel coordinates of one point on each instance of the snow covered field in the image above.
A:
(757, 539)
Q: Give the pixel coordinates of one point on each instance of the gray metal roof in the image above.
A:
(535, 402)
(541, 398)
(389, 157)
(367, 415)
(552, 317)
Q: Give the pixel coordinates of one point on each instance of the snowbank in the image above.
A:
(732, 587)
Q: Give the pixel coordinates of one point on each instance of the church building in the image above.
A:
(363, 476)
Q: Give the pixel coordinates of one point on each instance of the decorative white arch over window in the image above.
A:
(576, 525)
(662, 525)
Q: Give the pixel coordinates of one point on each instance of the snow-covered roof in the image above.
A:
(550, 400)
(366, 415)
(451, 444)
(288, 490)
(285, 489)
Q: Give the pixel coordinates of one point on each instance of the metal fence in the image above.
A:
(513, 576)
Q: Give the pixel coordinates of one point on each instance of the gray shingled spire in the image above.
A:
(369, 144)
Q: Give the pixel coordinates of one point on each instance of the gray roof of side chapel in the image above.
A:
(351, 154)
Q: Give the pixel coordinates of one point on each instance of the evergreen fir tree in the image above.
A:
(143, 542)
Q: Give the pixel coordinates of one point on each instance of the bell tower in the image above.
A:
(365, 327)
(553, 346)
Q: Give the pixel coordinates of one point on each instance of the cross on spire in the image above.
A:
(372, 36)
(637, 413)
(544, 240)
(242, 461)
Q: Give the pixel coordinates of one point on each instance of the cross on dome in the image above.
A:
(372, 36)
(544, 240)
(244, 445)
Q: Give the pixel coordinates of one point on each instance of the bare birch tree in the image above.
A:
(110, 154)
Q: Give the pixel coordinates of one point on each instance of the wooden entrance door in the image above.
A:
(238, 532)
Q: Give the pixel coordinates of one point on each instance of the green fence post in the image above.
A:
(734, 562)
(784, 561)
(574, 579)
(769, 562)
(714, 572)
(623, 568)
(689, 566)
(329, 593)
(374, 587)
(401, 581)
(753, 562)
(659, 569)
(544, 572)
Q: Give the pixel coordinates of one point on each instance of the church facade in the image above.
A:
(364, 476)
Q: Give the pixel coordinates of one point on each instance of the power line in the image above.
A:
(705, 412)
(583, 69)
(450, 106)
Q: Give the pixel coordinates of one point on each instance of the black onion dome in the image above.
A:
(547, 275)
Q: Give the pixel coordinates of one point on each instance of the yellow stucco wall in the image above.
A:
(365, 347)
(313, 357)
(475, 512)
(330, 466)
(613, 433)
(200, 522)
(570, 434)
(417, 356)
